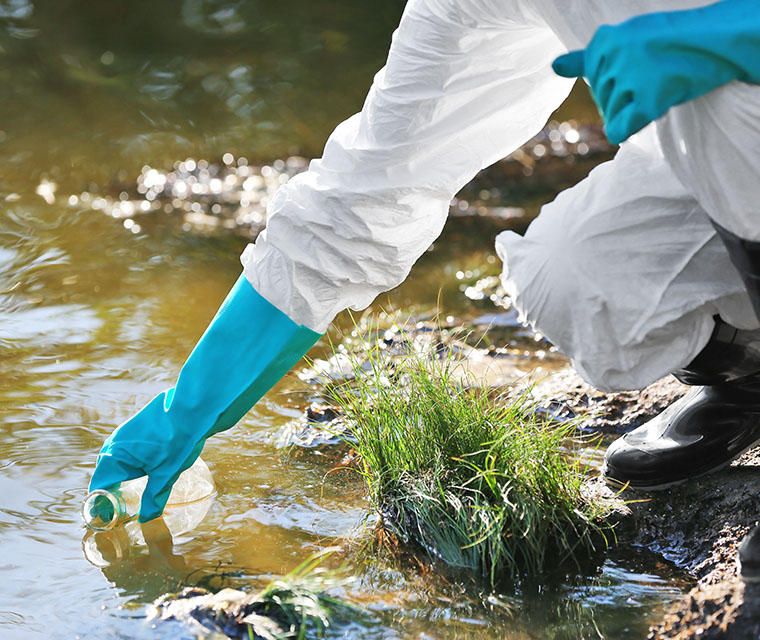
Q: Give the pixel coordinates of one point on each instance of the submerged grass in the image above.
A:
(299, 603)
(479, 481)
(295, 606)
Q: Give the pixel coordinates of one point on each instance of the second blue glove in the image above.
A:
(640, 68)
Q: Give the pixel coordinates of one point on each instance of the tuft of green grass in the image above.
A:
(297, 605)
(479, 481)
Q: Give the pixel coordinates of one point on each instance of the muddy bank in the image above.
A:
(566, 396)
(726, 610)
(697, 526)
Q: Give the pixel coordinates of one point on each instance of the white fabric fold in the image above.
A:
(465, 84)
(623, 272)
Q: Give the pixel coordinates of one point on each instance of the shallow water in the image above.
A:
(95, 319)
(91, 330)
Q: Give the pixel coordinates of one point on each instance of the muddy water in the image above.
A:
(95, 319)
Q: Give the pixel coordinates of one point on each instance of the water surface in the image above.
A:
(95, 319)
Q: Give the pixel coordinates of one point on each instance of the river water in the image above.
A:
(96, 317)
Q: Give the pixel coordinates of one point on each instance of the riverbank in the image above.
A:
(697, 526)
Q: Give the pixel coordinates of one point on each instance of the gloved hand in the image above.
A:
(247, 348)
(640, 68)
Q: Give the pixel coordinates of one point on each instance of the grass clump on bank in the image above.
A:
(479, 481)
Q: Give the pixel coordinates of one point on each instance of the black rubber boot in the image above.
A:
(748, 556)
(714, 424)
(703, 431)
(745, 254)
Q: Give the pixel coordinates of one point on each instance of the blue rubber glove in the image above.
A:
(640, 68)
(246, 349)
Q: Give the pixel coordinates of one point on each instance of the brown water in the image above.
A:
(95, 319)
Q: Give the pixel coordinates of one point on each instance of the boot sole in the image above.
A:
(620, 485)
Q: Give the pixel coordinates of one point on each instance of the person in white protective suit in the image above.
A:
(624, 272)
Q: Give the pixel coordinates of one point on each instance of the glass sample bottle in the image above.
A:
(105, 509)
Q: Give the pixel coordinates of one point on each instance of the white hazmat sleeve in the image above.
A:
(465, 84)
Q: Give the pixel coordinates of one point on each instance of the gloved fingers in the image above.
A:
(156, 495)
(627, 122)
(602, 93)
(160, 483)
(601, 54)
(616, 102)
(570, 65)
(113, 469)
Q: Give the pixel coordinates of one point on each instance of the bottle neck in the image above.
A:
(103, 510)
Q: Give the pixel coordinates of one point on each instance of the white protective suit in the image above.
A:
(623, 272)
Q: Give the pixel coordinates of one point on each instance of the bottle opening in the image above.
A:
(103, 510)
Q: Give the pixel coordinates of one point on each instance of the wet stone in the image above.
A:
(229, 612)
(566, 395)
(320, 426)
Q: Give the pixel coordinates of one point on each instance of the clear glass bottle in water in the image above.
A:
(106, 509)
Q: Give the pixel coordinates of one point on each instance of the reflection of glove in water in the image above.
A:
(150, 569)
(245, 350)
(640, 68)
